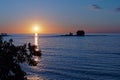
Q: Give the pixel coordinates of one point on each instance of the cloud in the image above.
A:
(117, 9)
(95, 7)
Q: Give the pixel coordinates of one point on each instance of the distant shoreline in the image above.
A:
(4, 34)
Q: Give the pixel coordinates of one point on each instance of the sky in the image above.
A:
(60, 16)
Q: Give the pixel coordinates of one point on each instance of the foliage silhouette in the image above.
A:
(80, 33)
(12, 56)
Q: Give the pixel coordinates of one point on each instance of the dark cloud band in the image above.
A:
(96, 7)
(117, 9)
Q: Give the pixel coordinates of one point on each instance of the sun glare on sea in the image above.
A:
(36, 29)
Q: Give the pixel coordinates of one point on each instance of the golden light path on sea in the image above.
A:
(36, 29)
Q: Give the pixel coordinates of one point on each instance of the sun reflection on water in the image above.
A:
(37, 48)
(34, 77)
(36, 41)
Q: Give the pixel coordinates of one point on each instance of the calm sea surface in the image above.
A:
(92, 57)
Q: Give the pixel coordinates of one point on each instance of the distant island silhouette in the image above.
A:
(3, 34)
(78, 33)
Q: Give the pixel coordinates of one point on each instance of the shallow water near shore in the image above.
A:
(92, 57)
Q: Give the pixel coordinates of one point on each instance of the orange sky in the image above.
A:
(60, 16)
(50, 29)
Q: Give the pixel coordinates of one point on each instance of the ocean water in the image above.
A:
(92, 57)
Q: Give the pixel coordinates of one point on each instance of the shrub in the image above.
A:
(12, 56)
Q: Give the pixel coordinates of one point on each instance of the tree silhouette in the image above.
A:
(80, 33)
(12, 56)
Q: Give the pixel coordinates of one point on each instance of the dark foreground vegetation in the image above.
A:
(12, 56)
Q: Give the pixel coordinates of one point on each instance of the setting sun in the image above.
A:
(36, 28)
